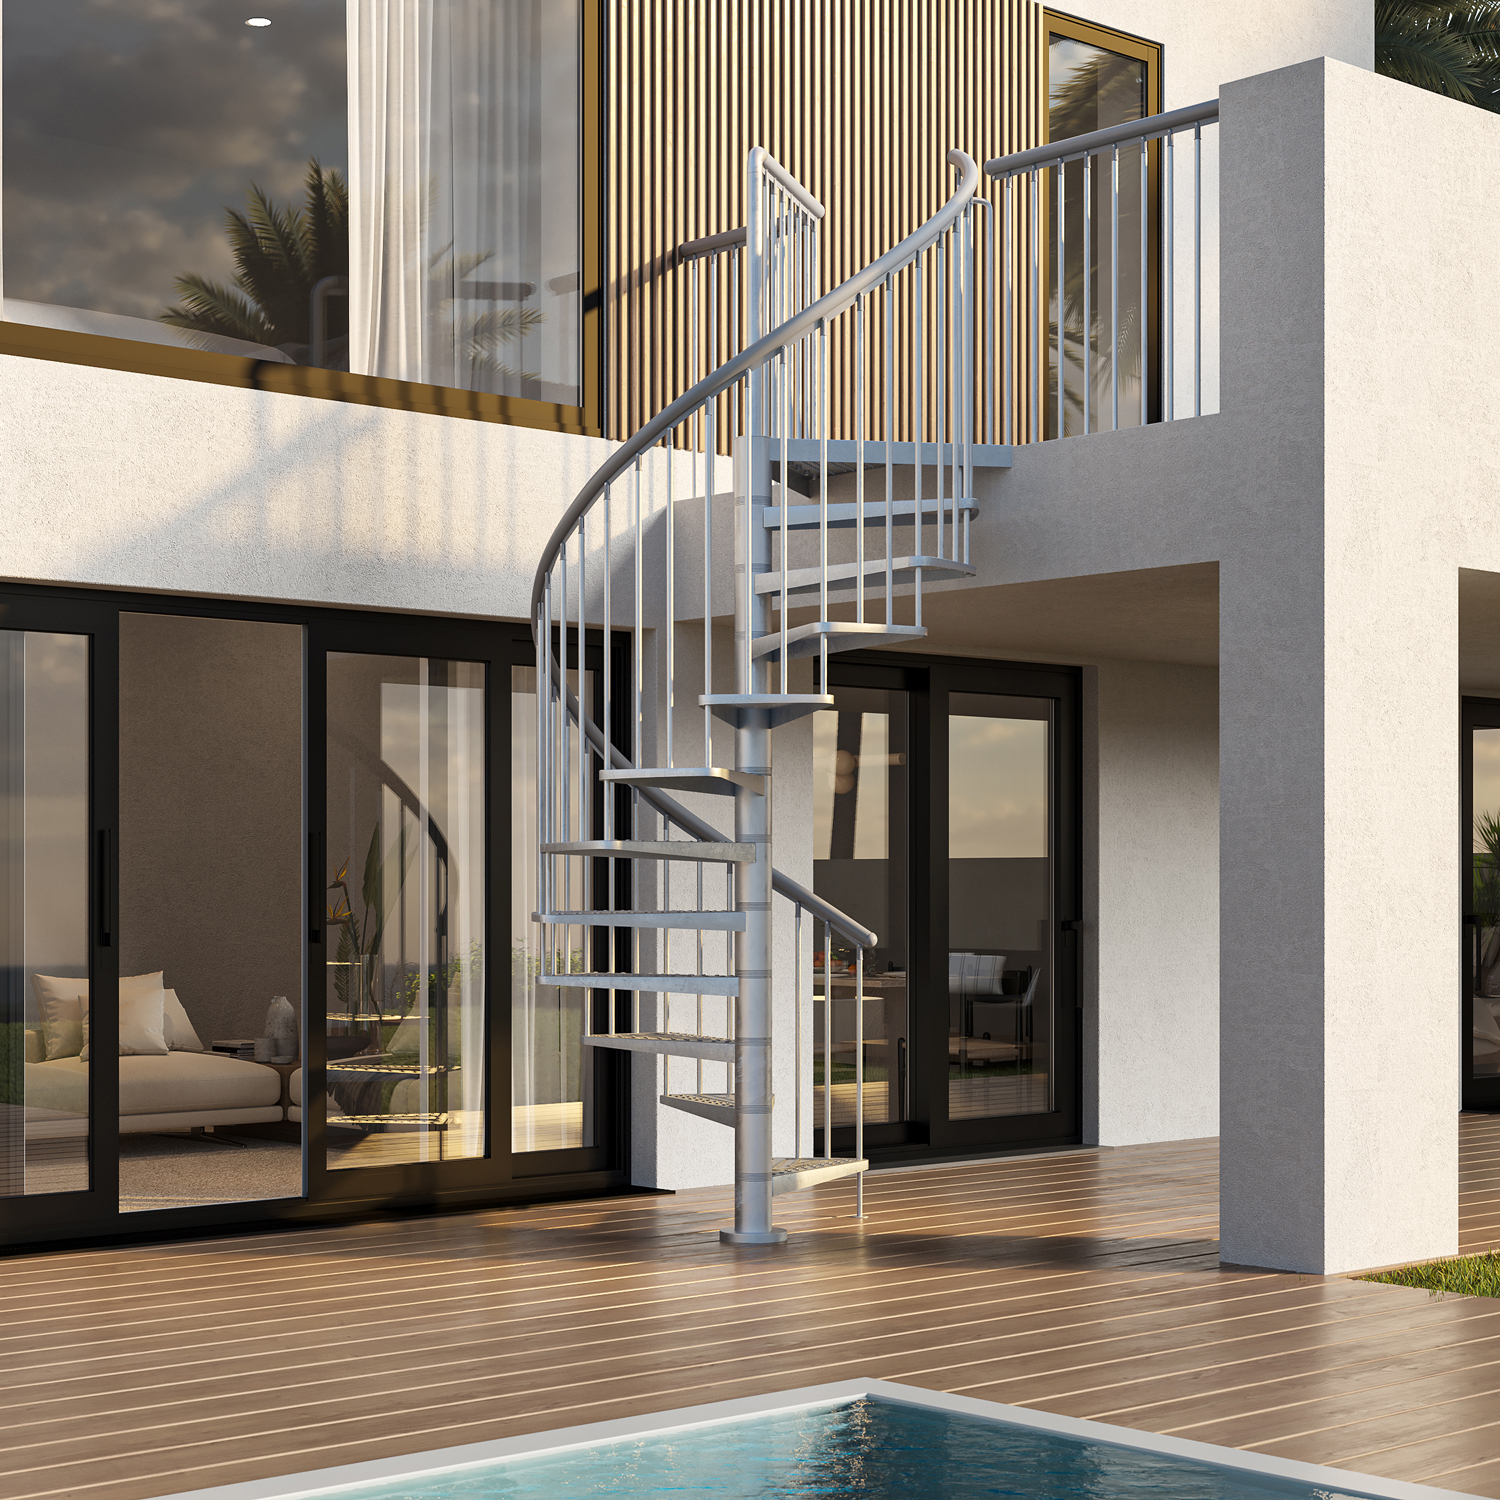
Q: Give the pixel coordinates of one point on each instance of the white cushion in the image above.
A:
(63, 1002)
(179, 1029)
(1486, 1031)
(142, 1025)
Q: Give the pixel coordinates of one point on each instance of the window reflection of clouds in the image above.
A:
(1486, 774)
(130, 125)
(997, 788)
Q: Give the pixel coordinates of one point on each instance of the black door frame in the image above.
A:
(1475, 1093)
(928, 681)
(500, 1176)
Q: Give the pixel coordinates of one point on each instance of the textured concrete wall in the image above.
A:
(211, 814)
(1151, 861)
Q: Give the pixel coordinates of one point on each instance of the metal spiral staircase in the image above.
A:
(735, 501)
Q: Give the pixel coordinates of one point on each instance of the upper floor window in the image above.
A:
(389, 187)
(1102, 272)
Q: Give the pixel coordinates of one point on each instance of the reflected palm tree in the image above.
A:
(1089, 89)
(280, 256)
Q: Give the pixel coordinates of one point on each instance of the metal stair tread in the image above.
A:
(718, 1109)
(670, 1043)
(781, 708)
(843, 515)
(667, 984)
(846, 575)
(719, 781)
(708, 921)
(689, 849)
(811, 450)
(841, 635)
(790, 1174)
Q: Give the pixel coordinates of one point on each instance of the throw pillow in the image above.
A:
(179, 1030)
(142, 1026)
(62, 1028)
(63, 1002)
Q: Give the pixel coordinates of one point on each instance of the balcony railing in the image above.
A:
(1100, 276)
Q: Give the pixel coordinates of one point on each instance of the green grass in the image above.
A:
(1465, 1275)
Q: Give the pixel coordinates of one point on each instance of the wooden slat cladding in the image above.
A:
(861, 101)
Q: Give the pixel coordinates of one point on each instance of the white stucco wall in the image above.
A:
(134, 481)
(1151, 903)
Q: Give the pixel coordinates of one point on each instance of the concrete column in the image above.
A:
(1338, 697)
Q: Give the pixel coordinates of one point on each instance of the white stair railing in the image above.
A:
(641, 551)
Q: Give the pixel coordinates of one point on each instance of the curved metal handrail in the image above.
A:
(705, 391)
(759, 353)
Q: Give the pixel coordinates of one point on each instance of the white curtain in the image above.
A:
(446, 173)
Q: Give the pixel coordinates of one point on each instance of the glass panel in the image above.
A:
(406, 206)
(552, 1103)
(1090, 89)
(133, 137)
(1000, 960)
(406, 894)
(859, 864)
(1486, 882)
(44, 815)
(211, 910)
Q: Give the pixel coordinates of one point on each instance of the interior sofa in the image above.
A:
(168, 1080)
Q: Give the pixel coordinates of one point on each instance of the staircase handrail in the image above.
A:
(759, 353)
(700, 828)
(706, 390)
(1069, 148)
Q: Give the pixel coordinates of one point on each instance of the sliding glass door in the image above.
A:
(946, 806)
(265, 901)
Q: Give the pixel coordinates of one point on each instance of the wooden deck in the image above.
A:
(1085, 1283)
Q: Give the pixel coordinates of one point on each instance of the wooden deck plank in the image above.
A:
(1083, 1282)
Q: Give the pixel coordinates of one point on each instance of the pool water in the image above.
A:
(864, 1448)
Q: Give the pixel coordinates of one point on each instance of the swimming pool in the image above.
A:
(870, 1439)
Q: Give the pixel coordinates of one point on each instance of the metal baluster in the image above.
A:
(1198, 269)
(859, 1077)
(1007, 395)
(827, 1040)
(1088, 283)
(940, 373)
(1114, 287)
(1062, 290)
(609, 786)
(640, 719)
(889, 428)
(671, 631)
(859, 459)
(1145, 241)
(1034, 340)
(797, 1019)
(710, 457)
(822, 413)
(699, 1031)
(1169, 393)
(919, 431)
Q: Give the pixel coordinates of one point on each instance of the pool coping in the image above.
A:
(835, 1393)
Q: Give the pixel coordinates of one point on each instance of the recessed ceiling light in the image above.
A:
(258, 21)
